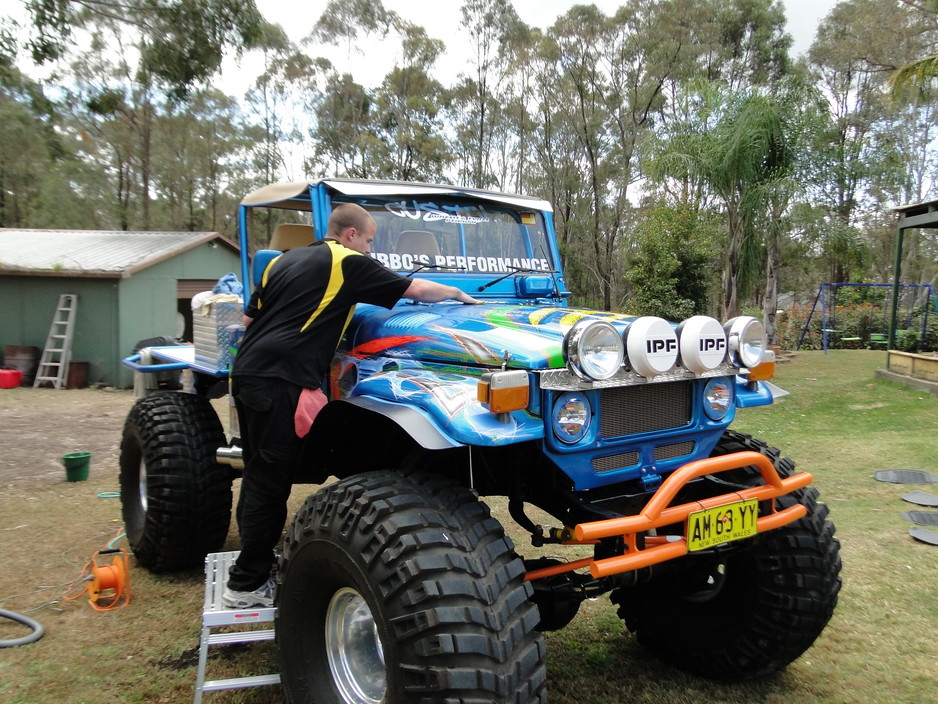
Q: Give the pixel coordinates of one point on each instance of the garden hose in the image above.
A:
(36, 627)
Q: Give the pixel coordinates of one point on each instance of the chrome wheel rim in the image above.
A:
(356, 656)
(142, 484)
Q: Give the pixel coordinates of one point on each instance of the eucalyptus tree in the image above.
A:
(742, 42)
(604, 79)
(410, 105)
(114, 99)
(344, 139)
(29, 145)
(351, 21)
(852, 61)
(481, 94)
(182, 42)
(580, 103)
(880, 150)
(279, 104)
(203, 147)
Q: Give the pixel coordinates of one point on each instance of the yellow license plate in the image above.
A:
(715, 526)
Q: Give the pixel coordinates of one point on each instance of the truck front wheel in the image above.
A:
(404, 589)
(749, 609)
(175, 498)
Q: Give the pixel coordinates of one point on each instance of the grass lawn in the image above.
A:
(841, 423)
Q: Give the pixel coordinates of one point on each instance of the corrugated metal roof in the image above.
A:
(102, 253)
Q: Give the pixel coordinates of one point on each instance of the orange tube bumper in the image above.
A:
(659, 513)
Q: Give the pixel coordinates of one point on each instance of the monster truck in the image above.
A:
(604, 436)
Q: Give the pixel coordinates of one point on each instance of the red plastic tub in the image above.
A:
(10, 378)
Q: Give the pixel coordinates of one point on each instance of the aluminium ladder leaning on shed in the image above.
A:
(53, 365)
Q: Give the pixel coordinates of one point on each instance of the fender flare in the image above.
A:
(412, 421)
(377, 424)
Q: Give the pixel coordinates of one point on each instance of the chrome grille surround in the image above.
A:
(565, 380)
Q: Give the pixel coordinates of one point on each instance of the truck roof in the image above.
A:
(295, 195)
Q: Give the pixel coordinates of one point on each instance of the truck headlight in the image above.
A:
(593, 349)
(718, 398)
(746, 340)
(571, 417)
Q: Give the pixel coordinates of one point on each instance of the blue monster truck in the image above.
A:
(605, 433)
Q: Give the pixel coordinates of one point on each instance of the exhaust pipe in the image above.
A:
(230, 456)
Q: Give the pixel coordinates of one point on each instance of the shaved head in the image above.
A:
(348, 215)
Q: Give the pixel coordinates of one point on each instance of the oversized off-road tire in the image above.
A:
(175, 498)
(404, 589)
(749, 610)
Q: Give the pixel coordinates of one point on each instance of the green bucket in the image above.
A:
(76, 466)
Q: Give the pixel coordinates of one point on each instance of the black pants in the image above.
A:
(266, 408)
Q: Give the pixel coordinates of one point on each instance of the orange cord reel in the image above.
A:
(108, 585)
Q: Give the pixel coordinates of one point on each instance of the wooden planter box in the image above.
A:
(920, 366)
(919, 371)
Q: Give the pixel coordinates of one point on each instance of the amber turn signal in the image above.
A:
(504, 391)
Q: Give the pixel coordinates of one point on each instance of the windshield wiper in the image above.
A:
(435, 266)
(516, 270)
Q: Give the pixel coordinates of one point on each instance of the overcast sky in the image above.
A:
(441, 19)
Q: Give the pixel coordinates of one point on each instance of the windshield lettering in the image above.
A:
(485, 265)
(430, 212)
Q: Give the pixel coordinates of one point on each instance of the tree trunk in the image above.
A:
(770, 300)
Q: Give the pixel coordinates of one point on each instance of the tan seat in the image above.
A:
(290, 236)
(417, 242)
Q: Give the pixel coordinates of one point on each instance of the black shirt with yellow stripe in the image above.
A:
(302, 307)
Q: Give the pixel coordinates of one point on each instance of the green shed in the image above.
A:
(130, 285)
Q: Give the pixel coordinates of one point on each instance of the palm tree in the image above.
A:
(916, 73)
(740, 159)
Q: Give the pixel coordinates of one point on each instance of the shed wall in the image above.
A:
(113, 314)
(147, 301)
(29, 304)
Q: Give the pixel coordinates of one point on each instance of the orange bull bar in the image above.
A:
(659, 513)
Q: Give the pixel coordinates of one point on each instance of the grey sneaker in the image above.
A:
(260, 597)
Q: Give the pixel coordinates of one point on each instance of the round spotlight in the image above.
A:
(746, 340)
(593, 349)
(650, 346)
(702, 344)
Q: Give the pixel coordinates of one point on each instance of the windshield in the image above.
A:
(465, 236)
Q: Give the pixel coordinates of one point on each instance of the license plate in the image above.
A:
(715, 526)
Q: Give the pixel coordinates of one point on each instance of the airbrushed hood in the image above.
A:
(453, 333)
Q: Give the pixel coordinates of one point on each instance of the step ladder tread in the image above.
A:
(239, 682)
(241, 637)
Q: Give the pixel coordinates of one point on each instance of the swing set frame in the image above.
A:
(827, 297)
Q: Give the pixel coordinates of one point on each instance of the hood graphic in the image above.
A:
(530, 337)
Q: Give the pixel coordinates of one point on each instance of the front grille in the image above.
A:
(607, 464)
(629, 410)
(678, 449)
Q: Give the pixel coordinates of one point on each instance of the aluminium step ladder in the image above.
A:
(53, 365)
(216, 614)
